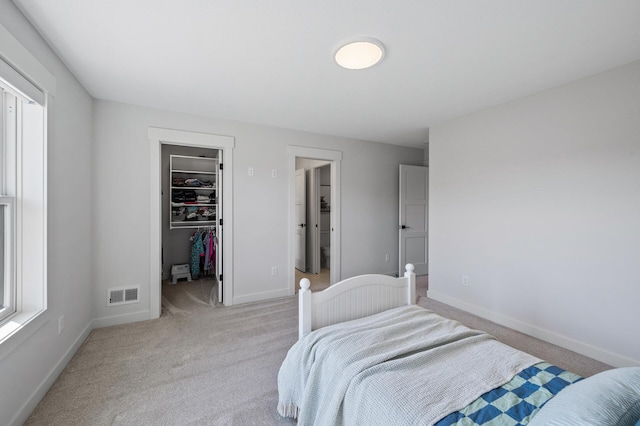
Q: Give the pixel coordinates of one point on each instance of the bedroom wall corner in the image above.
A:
(536, 203)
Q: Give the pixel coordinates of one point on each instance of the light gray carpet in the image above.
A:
(206, 366)
(203, 365)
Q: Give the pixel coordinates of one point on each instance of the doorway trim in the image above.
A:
(157, 137)
(334, 157)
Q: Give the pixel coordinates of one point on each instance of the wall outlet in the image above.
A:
(387, 257)
(274, 173)
(465, 280)
(60, 324)
(274, 271)
(250, 171)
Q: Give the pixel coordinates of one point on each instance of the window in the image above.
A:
(7, 201)
(22, 201)
(6, 250)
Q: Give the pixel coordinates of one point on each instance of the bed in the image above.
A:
(368, 355)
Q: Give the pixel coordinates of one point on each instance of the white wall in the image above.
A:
(121, 178)
(31, 361)
(538, 202)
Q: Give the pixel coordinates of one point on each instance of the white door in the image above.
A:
(301, 217)
(414, 197)
(219, 221)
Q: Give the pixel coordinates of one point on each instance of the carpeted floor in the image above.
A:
(208, 365)
(189, 296)
(213, 366)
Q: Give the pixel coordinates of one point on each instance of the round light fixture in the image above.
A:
(360, 54)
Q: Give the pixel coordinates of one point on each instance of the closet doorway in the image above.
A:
(162, 256)
(191, 235)
(314, 229)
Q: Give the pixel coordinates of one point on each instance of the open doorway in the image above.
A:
(313, 222)
(192, 199)
(322, 167)
(224, 144)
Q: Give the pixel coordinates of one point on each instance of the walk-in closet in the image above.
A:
(191, 228)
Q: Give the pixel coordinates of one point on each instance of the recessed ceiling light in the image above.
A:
(360, 54)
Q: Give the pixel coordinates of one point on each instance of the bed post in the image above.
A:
(304, 306)
(411, 291)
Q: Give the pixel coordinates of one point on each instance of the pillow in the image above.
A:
(608, 398)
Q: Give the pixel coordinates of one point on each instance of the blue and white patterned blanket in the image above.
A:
(515, 402)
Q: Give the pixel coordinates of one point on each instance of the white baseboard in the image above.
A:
(585, 349)
(257, 297)
(121, 319)
(40, 391)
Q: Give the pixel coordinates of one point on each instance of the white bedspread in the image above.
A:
(403, 366)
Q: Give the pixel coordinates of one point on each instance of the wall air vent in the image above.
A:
(123, 296)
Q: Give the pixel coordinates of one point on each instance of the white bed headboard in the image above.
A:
(354, 298)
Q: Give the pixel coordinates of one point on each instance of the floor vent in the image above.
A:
(122, 295)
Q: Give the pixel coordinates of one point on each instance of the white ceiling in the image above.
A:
(271, 62)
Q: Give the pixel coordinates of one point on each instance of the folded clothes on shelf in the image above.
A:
(191, 182)
(192, 213)
(177, 211)
(209, 214)
(177, 196)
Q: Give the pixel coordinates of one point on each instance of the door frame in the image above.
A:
(335, 158)
(157, 137)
